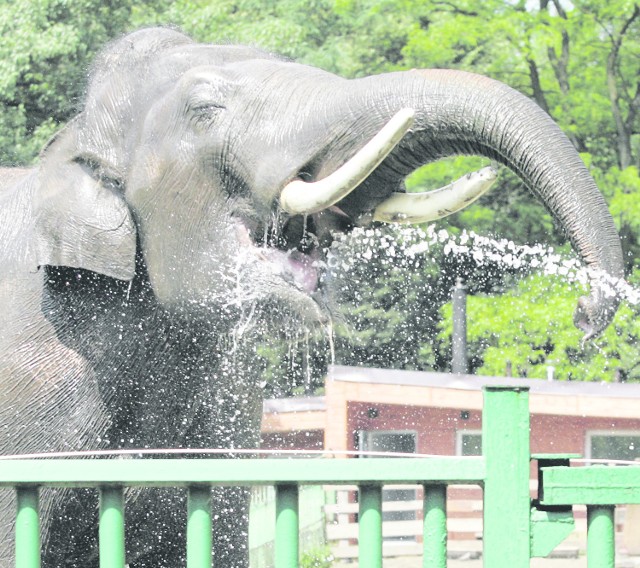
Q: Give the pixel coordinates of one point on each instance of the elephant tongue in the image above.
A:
(303, 270)
(295, 267)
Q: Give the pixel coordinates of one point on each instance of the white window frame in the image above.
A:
(608, 433)
(363, 433)
(465, 432)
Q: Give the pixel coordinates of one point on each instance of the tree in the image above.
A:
(574, 58)
(620, 23)
(45, 51)
(531, 328)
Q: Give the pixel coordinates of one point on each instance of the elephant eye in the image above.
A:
(205, 95)
(99, 172)
(205, 114)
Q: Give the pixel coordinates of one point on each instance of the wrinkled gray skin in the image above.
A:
(140, 262)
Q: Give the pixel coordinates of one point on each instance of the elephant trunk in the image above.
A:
(463, 113)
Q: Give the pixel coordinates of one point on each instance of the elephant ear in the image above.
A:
(81, 217)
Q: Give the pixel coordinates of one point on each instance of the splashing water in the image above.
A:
(409, 242)
(329, 332)
(397, 249)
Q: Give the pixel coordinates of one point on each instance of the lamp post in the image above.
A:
(459, 362)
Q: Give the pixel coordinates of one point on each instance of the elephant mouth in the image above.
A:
(295, 248)
(301, 270)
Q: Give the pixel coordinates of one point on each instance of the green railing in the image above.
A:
(516, 528)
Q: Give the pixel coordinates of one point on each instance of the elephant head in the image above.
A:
(228, 169)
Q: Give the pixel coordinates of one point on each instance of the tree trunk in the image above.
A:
(538, 93)
(560, 65)
(623, 135)
(624, 126)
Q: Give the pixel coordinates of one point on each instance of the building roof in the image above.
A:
(298, 404)
(445, 390)
(477, 382)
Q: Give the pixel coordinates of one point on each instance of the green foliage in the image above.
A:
(295, 365)
(286, 27)
(388, 303)
(391, 284)
(45, 51)
(351, 38)
(531, 327)
(320, 557)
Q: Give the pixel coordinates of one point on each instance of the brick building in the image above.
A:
(437, 413)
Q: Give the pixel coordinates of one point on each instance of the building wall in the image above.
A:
(567, 434)
(297, 440)
(436, 428)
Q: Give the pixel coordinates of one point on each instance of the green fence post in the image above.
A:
(507, 505)
(435, 527)
(111, 529)
(199, 536)
(27, 528)
(600, 536)
(287, 526)
(370, 526)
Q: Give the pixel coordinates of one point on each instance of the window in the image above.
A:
(387, 441)
(620, 445)
(469, 443)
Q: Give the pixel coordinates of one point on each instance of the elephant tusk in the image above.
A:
(300, 197)
(431, 205)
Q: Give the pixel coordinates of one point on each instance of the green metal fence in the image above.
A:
(516, 528)
(312, 500)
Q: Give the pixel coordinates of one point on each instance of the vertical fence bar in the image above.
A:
(600, 536)
(435, 527)
(370, 526)
(27, 528)
(111, 530)
(199, 528)
(507, 505)
(287, 526)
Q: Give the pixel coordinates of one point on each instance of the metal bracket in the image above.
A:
(550, 525)
(549, 529)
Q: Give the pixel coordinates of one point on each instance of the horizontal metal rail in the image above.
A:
(199, 475)
(592, 485)
(185, 473)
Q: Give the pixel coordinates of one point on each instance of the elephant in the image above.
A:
(183, 216)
